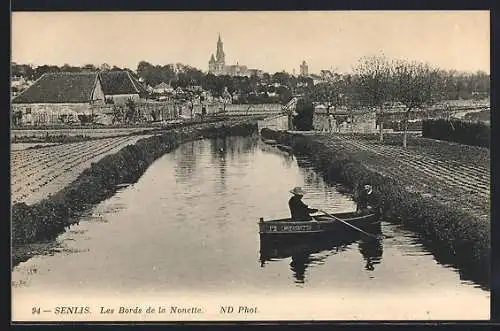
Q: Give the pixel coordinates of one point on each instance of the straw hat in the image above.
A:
(298, 191)
(368, 189)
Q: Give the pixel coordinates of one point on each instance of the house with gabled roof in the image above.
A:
(56, 94)
(121, 86)
(73, 94)
(162, 88)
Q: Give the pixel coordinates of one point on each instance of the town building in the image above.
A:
(162, 88)
(217, 65)
(304, 69)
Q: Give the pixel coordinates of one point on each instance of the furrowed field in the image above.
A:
(38, 172)
(457, 175)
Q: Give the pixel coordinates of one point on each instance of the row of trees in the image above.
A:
(32, 73)
(377, 80)
(455, 85)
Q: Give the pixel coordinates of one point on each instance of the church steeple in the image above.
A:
(217, 64)
(220, 52)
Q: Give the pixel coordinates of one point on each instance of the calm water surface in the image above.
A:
(189, 225)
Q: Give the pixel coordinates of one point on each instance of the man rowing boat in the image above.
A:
(299, 210)
(361, 197)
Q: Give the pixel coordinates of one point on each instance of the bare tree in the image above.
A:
(227, 98)
(415, 85)
(373, 76)
(328, 93)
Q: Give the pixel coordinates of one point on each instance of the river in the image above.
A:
(186, 232)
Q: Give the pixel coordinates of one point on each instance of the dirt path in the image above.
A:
(36, 173)
(458, 184)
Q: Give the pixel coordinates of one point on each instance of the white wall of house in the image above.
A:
(48, 113)
(122, 98)
(97, 93)
(162, 90)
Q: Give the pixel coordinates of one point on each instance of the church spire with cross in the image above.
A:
(220, 56)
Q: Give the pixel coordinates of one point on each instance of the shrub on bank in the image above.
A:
(303, 121)
(463, 132)
(51, 216)
(453, 233)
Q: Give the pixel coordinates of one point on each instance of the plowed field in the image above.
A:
(36, 173)
(455, 174)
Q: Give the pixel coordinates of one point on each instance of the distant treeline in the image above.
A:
(372, 83)
(268, 88)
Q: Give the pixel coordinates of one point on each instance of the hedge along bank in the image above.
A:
(454, 236)
(51, 216)
(463, 132)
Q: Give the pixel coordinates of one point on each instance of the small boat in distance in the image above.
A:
(320, 224)
(270, 141)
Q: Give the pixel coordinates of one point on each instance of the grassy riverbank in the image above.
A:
(68, 134)
(456, 234)
(48, 218)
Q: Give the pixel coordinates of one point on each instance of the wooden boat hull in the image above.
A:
(320, 225)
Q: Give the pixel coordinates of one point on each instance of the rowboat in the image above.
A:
(321, 224)
(270, 141)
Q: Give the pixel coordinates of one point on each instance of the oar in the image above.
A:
(348, 224)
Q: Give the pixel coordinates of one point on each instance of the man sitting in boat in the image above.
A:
(299, 210)
(361, 197)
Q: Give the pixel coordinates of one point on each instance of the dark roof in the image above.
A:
(120, 82)
(59, 88)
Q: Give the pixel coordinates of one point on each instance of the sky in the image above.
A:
(271, 41)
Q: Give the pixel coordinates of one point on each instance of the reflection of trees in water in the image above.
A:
(287, 161)
(315, 179)
(186, 161)
(219, 151)
(287, 158)
(201, 147)
(232, 146)
(372, 251)
(228, 148)
(308, 171)
(248, 144)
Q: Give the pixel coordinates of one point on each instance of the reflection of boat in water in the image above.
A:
(273, 248)
(372, 251)
(305, 251)
(305, 241)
